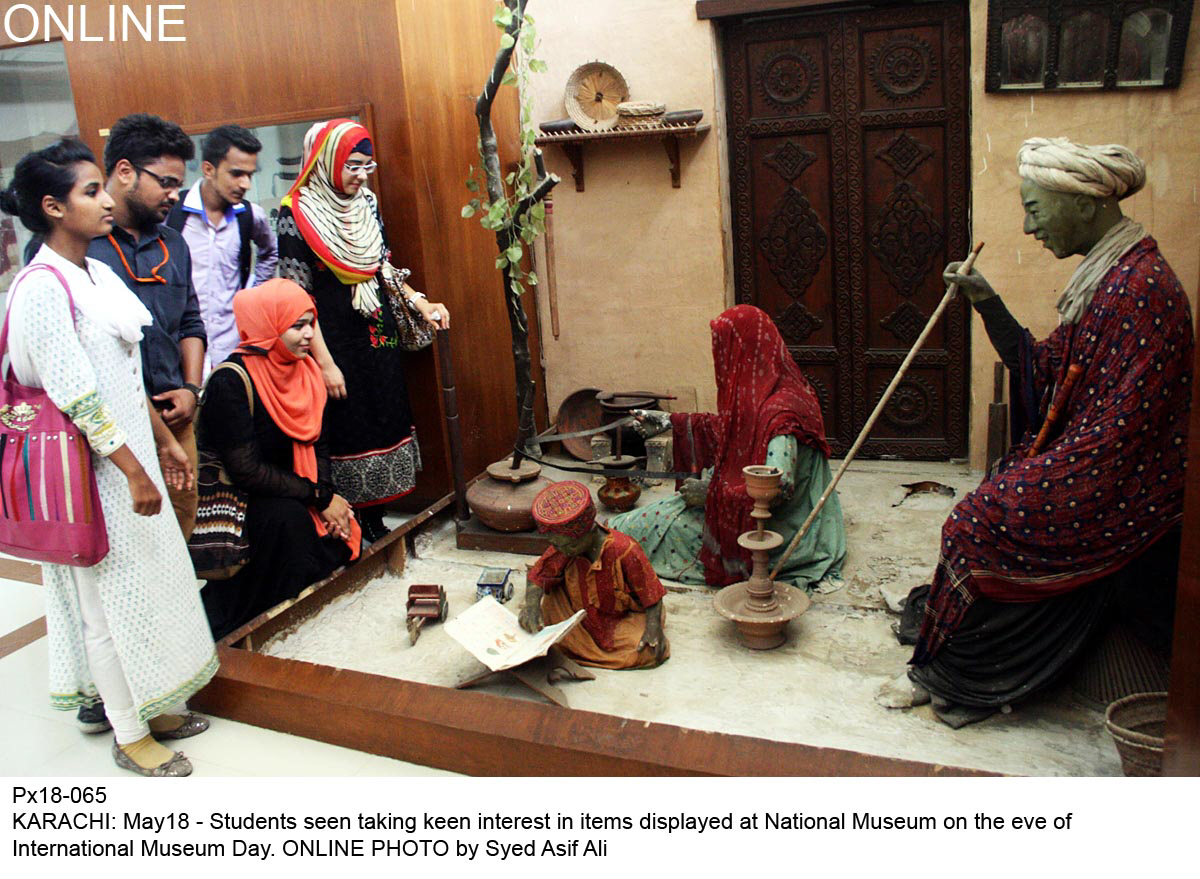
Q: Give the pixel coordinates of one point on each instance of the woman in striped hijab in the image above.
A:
(331, 243)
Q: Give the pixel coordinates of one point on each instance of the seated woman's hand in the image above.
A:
(694, 492)
(434, 312)
(337, 517)
(650, 422)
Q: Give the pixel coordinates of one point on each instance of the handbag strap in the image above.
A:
(13, 289)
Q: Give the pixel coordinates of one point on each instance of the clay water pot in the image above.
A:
(619, 494)
(506, 503)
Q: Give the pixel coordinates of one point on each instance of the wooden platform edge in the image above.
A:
(373, 562)
(481, 734)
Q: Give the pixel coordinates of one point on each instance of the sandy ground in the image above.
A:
(816, 689)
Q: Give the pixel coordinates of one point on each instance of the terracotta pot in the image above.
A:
(504, 506)
(619, 494)
(762, 482)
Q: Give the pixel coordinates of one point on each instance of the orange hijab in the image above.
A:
(291, 387)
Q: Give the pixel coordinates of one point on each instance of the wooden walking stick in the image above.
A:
(964, 269)
(551, 279)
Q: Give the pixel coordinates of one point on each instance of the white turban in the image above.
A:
(1057, 164)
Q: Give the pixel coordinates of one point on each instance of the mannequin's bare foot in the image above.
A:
(901, 692)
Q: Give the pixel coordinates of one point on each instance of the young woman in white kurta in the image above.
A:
(129, 629)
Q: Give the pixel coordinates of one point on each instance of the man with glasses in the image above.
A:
(144, 160)
(222, 229)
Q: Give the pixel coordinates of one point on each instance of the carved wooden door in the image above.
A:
(848, 156)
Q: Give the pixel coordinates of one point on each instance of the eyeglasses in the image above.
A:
(167, 183)
(355, 167)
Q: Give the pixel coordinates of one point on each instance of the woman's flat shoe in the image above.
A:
(177, 767)
(193, 724)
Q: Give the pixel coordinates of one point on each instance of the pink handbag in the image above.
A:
(49, 504)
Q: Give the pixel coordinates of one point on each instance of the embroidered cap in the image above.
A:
(565, 508)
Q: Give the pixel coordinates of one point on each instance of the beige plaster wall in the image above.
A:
(1162, 126)
(640, 266)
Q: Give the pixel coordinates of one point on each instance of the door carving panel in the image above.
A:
(849, 185)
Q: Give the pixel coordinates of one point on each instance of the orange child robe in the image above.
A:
(614, 593)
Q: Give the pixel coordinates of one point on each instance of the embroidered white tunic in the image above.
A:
(146, 582)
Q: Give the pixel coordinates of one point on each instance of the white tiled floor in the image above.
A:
(37, 740)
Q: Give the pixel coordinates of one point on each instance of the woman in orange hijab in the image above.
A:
(269, 442)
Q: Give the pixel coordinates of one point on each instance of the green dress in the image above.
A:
(671, 533)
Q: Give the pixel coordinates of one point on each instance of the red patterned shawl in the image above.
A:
(1109, 484)
(761, 394)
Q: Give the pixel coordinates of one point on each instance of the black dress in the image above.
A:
(1005, 652)
(372, 441)
(286, 552)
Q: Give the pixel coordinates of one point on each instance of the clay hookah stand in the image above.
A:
(759, 607)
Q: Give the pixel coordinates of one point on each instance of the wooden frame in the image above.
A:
(1054, 13)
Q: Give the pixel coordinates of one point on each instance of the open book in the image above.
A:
(493, 636)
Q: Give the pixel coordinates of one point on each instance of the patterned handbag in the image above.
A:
(414, 332)
(49, 501)
(218, 544)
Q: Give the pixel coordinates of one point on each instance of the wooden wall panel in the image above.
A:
(1182, 756)
(448, 49)
(418, 65)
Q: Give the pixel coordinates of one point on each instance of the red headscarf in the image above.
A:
(291, 387)
(761, 394)
(341, 229)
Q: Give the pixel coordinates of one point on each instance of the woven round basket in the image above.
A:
(593, 92)
(1137, 724)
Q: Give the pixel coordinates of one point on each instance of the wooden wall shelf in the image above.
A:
(573, 142)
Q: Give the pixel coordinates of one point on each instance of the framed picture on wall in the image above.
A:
(1085, 44)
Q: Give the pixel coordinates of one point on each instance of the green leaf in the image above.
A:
(528, 234)
(537, 65)
(473, 184)
(532, 278)
(468, 211)
(514, 253)
(510, 78)
(538, 211)
(501, 262)
(503, 17)
(510, 177)
(507, 41)
(518, 287)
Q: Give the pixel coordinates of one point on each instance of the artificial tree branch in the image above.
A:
(508, 233)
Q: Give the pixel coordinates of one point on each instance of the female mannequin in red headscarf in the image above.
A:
(331, 243)
(767, 413)
(298, 527)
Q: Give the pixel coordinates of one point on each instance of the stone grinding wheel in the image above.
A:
(593, 92)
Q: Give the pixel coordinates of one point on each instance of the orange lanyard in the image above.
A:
(154, 275)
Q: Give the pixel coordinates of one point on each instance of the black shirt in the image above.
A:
(173, 305)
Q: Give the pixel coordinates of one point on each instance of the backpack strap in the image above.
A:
(13, 289)
(245, 221)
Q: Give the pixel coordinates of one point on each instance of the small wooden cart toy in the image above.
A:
(495, 582)
(426, 601)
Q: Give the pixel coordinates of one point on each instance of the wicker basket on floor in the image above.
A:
(1137, 724)
(1118, 665)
